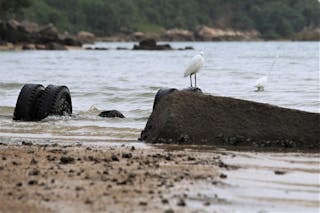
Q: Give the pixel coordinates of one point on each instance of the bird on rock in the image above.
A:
(195, 65)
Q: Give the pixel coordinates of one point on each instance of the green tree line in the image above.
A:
(272, 18)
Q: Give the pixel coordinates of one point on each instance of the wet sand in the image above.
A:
(37, 177)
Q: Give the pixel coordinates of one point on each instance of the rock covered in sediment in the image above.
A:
(185, 117)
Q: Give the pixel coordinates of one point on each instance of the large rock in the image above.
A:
(29, 27)
(186, 117)
(48, 33)
(27, 32)
(12, 31)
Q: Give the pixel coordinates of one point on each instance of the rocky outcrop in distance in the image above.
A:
(205, 33)
(32, 36)
(151, 44)
(187, 117)
(202, 33)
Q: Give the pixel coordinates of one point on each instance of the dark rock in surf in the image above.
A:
(151, 44)
(196, 118)
(111, 114)
(148, 43)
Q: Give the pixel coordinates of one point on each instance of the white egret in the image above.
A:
(261, 82)
(195, 65)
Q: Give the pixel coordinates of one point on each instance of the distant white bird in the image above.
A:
(259, 84)
(195, 65)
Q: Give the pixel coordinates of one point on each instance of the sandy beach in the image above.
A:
(78, 178)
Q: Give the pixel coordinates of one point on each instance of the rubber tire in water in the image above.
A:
(27, 100)
(55, 100)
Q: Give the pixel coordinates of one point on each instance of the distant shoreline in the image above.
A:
(26, 35)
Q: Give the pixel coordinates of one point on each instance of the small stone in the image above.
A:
(26, 143)
(191, 158)
(164, 201)
(207, 203)
(33, 161)
(277, 172)
(32, 182)
(127, 155)
(34, 172)
(181, 202)
(223, 176)
(79, 188)
(169, 211)
(143, 203)
(114, 157)
(88, 201)
(66, 160)
(111, 114)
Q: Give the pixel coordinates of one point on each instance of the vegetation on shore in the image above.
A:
(274, 19)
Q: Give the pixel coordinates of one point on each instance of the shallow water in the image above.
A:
(128, 80)
(254, 185)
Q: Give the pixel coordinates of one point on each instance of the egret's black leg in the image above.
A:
(195, 79)
(190, 81)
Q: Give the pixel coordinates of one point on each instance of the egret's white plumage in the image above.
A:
(194, 66)
(260, 83)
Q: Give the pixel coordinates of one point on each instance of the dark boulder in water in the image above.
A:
(151, 44)
(111, 114)
(196, 118)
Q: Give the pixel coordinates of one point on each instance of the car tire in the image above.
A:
(55, 100)
(27, 100)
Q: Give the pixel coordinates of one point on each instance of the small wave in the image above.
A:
(11, 85)
(6, 110)
(146, 94)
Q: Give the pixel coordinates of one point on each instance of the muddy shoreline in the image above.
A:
(55, 178)
(126, 178)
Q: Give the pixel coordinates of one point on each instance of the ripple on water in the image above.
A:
(10, 85)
